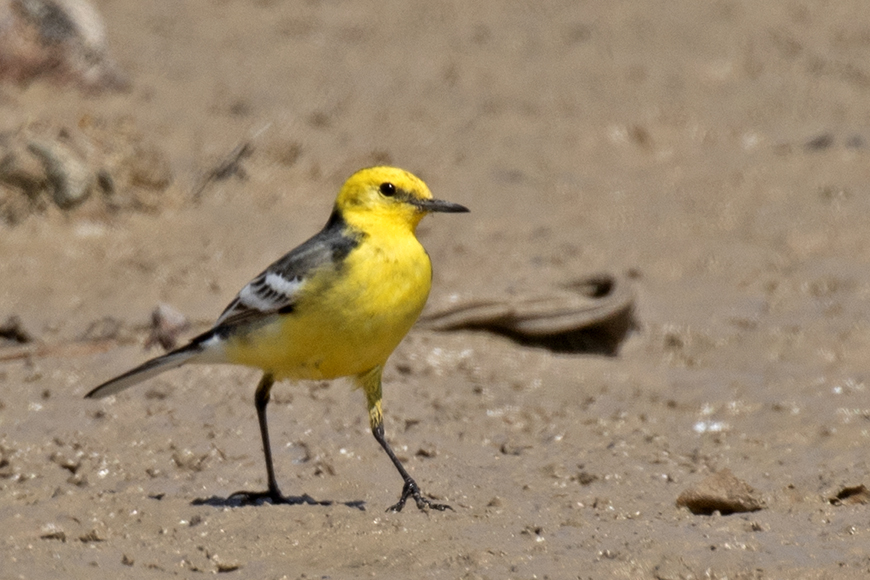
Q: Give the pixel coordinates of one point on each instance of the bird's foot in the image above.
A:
(411, 489)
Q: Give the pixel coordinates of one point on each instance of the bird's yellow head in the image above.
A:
(390, 197)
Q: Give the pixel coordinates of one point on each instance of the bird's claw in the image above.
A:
(411, 489)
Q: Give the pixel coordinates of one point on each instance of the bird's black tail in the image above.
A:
(147, 370)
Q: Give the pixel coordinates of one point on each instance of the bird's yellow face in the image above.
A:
(388, 196)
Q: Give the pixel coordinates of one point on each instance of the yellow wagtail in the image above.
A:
(336, 306)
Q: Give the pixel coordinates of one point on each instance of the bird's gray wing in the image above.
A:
(277, 289)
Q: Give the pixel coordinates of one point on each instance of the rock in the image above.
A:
(721, 492)
(70, 179)
(42, 163)
(64, 40)
(166, 324)
(851, 495)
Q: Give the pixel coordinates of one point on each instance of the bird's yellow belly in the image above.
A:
(348, 321)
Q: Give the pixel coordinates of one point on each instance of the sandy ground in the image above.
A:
(717, 150)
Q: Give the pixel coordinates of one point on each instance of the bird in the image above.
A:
(335, 306)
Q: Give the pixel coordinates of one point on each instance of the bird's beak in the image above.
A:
(439, 205)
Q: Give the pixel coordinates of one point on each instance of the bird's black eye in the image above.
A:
(388, 189)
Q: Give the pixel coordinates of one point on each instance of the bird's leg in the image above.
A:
(261, 399)
(371, 384)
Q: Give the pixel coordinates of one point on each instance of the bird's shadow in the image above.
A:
(237, 500)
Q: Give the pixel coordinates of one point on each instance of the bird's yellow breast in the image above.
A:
(350, 316)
